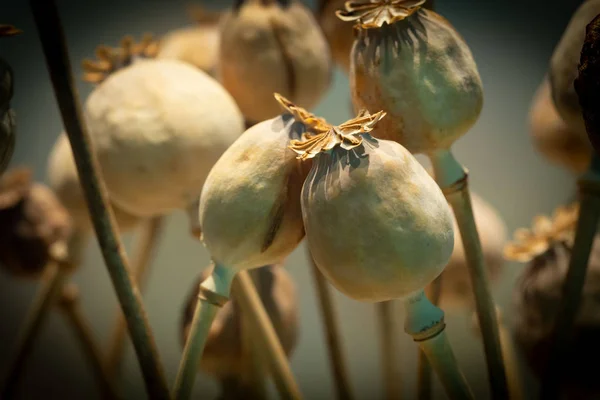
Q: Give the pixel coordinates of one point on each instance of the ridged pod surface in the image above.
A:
(64, 181)
(249, 211)
(418, 70)
(273, 47)
(223, 356)
(158, 127)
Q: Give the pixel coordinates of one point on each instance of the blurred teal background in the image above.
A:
(511, 42)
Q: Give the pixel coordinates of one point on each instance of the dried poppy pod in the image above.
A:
(272, 46)
(411, 63)
(456, 288)
(363, 205)
(197, 45)
(64, 181)
(34, 225)
(553, 137)
(563, 66)
(538, 295)
(224, 356)
(158, 126)
(7, 115)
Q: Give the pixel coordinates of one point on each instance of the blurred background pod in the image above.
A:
(273, 46)
(339, 34)
(158, 127)
(198, 44)
(557, 141)
(224, 357)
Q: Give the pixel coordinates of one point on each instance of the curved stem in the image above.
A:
(332, 333)
(424, 383)
(389, 352)
(54, 45)
(70, 306)
(145, 247)
(453, 180)
(47, 296)
(587, 225)
(425, 323)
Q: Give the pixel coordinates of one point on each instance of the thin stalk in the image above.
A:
(145, 248)
(71, 308)
(453, 180)
(515, 386)
(389, 352)
(47, 296)
(269, 342)
(54, 45)
(587, 225)
(424, 382)
(332, 334)
(425, 323)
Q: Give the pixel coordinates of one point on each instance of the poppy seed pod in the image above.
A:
(411, 63)
(250, 206)
(553, 137)
(456, 288)
(158, 126)
(34, 226)
(377, 224)
(563, 66)
(197, 45)
(223, 355)
(64, 181)
(272, 46)
(537, 299)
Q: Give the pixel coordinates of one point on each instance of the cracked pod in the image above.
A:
(158, 126)
(250, 206)
(456, 289)
(223, 355)
(537, 298)
(563, 66)
(197, 45)
(64, 181)
(411, 63)
(557, 141)
(7, 115)
(377, 224)
(272, 46)
(34, 226)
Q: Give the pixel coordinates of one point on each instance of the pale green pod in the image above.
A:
(249, 210)
(158, 127)
(269, 47)
(377, 224)
(420, 71)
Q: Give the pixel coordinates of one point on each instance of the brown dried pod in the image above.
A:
(537, 299)
(64, 181)
(250, 205)
(158, 126)
(456, 289)
(197, 45)
(339, 34)
(411, 63)
(272, 46)
(223, 356)
(563, 66)
(34, 226)
(556, 140)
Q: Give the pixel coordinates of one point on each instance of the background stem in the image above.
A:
(389, 351)
(424, 381)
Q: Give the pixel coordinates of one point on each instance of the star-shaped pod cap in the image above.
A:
(375, 13)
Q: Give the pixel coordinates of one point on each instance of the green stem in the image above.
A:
(54, 45)
(424, 383)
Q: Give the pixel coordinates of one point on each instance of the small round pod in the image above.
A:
(7, 115)
(272, 46)
(197, 45)
(64, 181)
(250, 212)
(537, 299)
(34, 226)
(158, 126)
(563, 66)
(377, 224)
(456, 288)
(411, 63)
(223, 356)
(557, 141)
